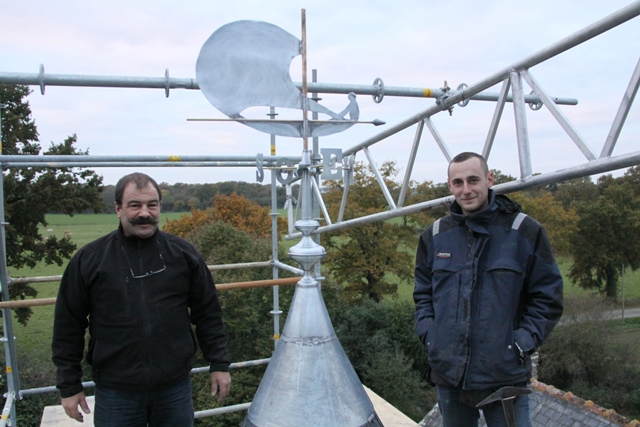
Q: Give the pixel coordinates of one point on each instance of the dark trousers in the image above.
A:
(457, 414)
(172, 406)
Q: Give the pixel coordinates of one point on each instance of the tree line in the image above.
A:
(181, 197)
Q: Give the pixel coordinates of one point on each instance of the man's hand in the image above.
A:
(220, 384)
(70, 405)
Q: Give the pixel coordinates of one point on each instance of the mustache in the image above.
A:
(143, 220)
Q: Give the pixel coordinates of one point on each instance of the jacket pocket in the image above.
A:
(113, 345)
(499, 360)
(502, 283)
(506, 264)
(112, 298)
(446, 284)
(428, 339)
(443, 264)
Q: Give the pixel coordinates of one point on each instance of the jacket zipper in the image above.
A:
(466, 306)
(145, 316)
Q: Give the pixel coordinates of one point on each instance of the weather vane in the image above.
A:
(246, 64)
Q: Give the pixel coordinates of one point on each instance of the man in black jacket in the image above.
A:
(138, 290)
(488, 292)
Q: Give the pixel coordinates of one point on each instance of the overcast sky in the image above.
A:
(407, 43)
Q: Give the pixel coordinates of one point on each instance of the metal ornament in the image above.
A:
(331, 163)
(246, 64)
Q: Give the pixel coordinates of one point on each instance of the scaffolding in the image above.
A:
(339, 164)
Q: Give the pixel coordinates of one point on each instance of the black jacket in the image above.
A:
(140, 328)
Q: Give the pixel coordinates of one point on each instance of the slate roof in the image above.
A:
(551, 407)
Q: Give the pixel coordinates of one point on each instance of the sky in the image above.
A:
(406, 43)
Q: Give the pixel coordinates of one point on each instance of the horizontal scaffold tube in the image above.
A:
(43, 80)
(236, 266)
(221, 287)
(201, 370)
(591, 168)
(125, 158)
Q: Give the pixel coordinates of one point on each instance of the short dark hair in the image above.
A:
(140, 180)
(463, 157)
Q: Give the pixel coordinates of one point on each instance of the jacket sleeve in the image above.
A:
(69, 326)
(423, 292)
(542, 296)
(206, 315)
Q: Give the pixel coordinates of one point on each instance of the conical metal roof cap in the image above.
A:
(310, 381)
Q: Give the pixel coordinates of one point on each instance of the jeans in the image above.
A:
(172, 406)
(456, 414)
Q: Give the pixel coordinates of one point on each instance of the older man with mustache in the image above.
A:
(139, 290)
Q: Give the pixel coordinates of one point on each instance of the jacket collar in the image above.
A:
(135, 239)
(479, 220)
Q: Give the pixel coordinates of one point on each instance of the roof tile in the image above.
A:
(551, 407)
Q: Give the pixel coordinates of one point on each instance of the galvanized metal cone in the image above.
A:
(310, 381)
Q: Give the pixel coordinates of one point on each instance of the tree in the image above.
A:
(188, 223)
(108, 196)
(500, 178)
(422, 192)
(560, 223)
(206, 194)
(193, 203)
(575, 191)
(591, 356)
(179, 206)
(30, 193)
(363, 258)
(386, 353)
(244, 215)
(608, 236)
(234, 210)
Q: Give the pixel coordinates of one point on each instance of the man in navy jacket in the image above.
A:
(488, 292)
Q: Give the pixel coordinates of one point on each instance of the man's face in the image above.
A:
(470, 185)
(140, 210)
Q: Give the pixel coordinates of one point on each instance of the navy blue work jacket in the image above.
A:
(482, 284)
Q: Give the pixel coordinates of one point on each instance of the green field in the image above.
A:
(85, 228)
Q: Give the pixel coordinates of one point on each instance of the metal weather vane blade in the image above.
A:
(246, 64)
